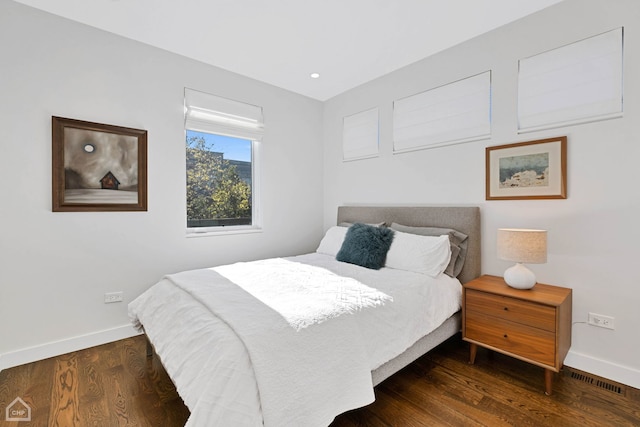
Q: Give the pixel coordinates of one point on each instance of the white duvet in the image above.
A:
(303, 294)
(230, 371)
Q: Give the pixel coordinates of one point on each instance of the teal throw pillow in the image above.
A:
(366, 246)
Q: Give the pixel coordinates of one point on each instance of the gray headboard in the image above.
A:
(465, 219)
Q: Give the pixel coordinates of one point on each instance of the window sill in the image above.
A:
(222, 231)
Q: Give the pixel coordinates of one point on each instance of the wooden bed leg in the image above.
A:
(149, 347)
(548, 381)
(473, 349)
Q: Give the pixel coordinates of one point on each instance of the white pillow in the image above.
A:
(332, 240)
(428, 255)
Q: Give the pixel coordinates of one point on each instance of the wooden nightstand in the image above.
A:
(533, 325)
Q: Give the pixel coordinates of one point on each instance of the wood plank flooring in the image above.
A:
(110, 385)
(117, 385)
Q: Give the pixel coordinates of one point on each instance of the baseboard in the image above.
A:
(602, 368)
(56, 348)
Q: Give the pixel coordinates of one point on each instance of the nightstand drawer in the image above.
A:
(511, 309)
(515, 338)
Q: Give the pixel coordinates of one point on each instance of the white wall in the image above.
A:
(55, 267)
(593, 235)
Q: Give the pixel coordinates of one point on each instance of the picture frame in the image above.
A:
(527, 170)
(98, 167)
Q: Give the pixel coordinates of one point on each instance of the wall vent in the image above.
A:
(598, 382)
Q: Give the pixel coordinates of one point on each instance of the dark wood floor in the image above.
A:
(116, 385)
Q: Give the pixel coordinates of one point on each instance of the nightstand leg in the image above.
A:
(473, 349)
(548, 381)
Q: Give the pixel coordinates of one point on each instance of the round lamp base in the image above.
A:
(520, 277)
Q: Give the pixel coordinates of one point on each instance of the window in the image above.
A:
(360, 135)
(577, 83)
(221, 145)
(454, 113)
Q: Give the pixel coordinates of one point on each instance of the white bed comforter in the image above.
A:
(209, 328)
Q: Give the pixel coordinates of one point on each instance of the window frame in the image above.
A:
(256, 217)
(256, 211)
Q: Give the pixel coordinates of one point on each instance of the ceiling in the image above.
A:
(281, 42)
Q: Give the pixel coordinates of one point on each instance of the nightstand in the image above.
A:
(533, 325)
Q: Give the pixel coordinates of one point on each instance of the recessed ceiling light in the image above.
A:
(314, 75)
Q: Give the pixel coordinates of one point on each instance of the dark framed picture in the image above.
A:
(98, 167)
(527, 170)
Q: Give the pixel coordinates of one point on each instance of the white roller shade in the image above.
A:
(210, 113)
(449, 114)
(360, 135)
(577, 83)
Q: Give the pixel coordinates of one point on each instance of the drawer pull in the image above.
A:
(505, 335)
(506, 309)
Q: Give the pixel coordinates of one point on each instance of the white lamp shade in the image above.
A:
(522, 245)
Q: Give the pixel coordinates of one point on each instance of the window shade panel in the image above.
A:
(214, 114)
(449, 114)
(577, 83)
(360, 135)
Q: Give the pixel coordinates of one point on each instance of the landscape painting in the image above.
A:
(527, 170)
(530, 170)
(98, 167)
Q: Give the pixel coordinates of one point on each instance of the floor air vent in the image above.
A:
(589, 379)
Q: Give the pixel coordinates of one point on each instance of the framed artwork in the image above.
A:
(98, 167)
(527, 170)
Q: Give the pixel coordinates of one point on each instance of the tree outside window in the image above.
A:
(218, 189)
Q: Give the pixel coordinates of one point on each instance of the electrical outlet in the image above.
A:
(113, 297)
(600, 320)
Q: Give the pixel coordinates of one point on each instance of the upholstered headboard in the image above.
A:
(465, 219)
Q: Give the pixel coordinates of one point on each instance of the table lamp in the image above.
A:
(522, 246)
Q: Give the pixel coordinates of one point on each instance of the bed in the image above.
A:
(244, 352)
